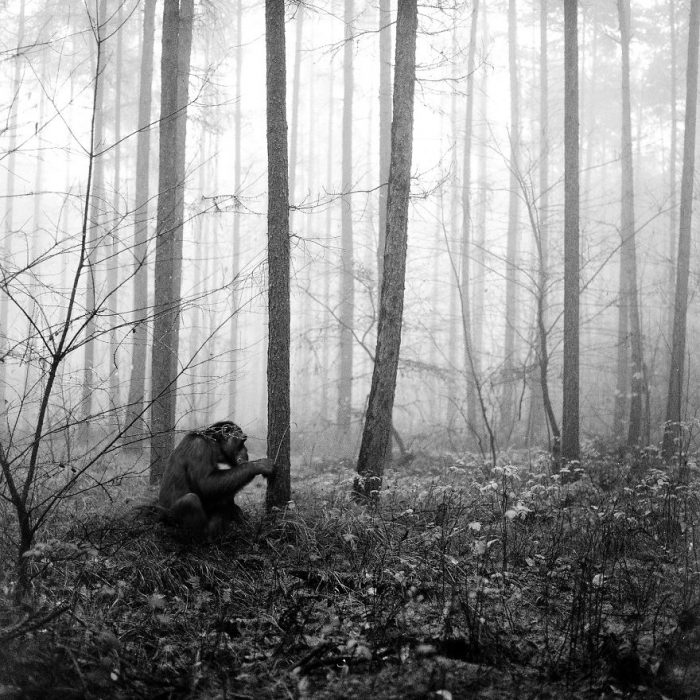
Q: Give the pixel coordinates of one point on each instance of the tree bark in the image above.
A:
(278, 381)
(376, 436)
(672, 441)
(570, 413)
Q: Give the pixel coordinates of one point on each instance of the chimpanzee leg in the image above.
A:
(224, 514)
(189, 514)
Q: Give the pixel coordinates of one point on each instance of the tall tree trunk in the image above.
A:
(236, 243)
(453, 225)
(384, 126)
(10, 192)
(570, 413)
(622, 378)
(543, 243)
(376, 436)
(672, 167)
(136, 425)
(327, 265)
(672, 442)
(278, 382)
(480, 238)
(177, 38)
(543, 240)
(465, 291)
(513, 244)
(629, 254)
(97, 196)
(113, 267)
(347, 285)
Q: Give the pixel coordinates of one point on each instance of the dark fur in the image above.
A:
(195, 492)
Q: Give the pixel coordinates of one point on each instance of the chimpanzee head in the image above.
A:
(231, 440)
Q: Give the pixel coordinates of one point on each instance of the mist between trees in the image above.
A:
(134, 229)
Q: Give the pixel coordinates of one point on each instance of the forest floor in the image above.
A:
(459, 584)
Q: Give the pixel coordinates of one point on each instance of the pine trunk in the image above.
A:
(278, 382)
(376, 436)
(570, 413)
(672, 442)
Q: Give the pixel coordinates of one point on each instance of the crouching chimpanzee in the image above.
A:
(203, 475)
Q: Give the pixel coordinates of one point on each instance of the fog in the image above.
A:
(48, 72)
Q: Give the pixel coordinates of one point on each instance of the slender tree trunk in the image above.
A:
(543, 242)
(627, 231)
(10, 191)
(327, 265)
(177, 37)
(570, 414)
(347, 286)
(236, 252)
(376, 437)
(278, 382)
(135, 408)
(384, 126)
(672, 167)
(453, 225)
(480, 239)
(97, 197)
(513, 244)
(672, 442)
(622, 378)
(113, 267)
(465, 287)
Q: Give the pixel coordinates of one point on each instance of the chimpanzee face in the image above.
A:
(235, 450)
(232, 441)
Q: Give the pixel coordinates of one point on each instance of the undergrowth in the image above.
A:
(460, 583)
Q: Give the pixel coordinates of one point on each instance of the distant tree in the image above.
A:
(673, 148)
(175, 59)
(237, 170)
(376, 436)
(347, 282)
(384, 126)
(672, 432)
(97, 198)
(113, 272)
(465, 276)
(137, 382)
(294, 115)
(628, 285)
(542, 238)
(512, 245)
(10, 193)
(570, 411)
(278, 381)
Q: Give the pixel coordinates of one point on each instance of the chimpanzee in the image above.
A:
(203, 475)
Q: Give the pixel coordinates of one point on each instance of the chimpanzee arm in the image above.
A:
(219, 485)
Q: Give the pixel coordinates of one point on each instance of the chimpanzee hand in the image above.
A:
(266, 467)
